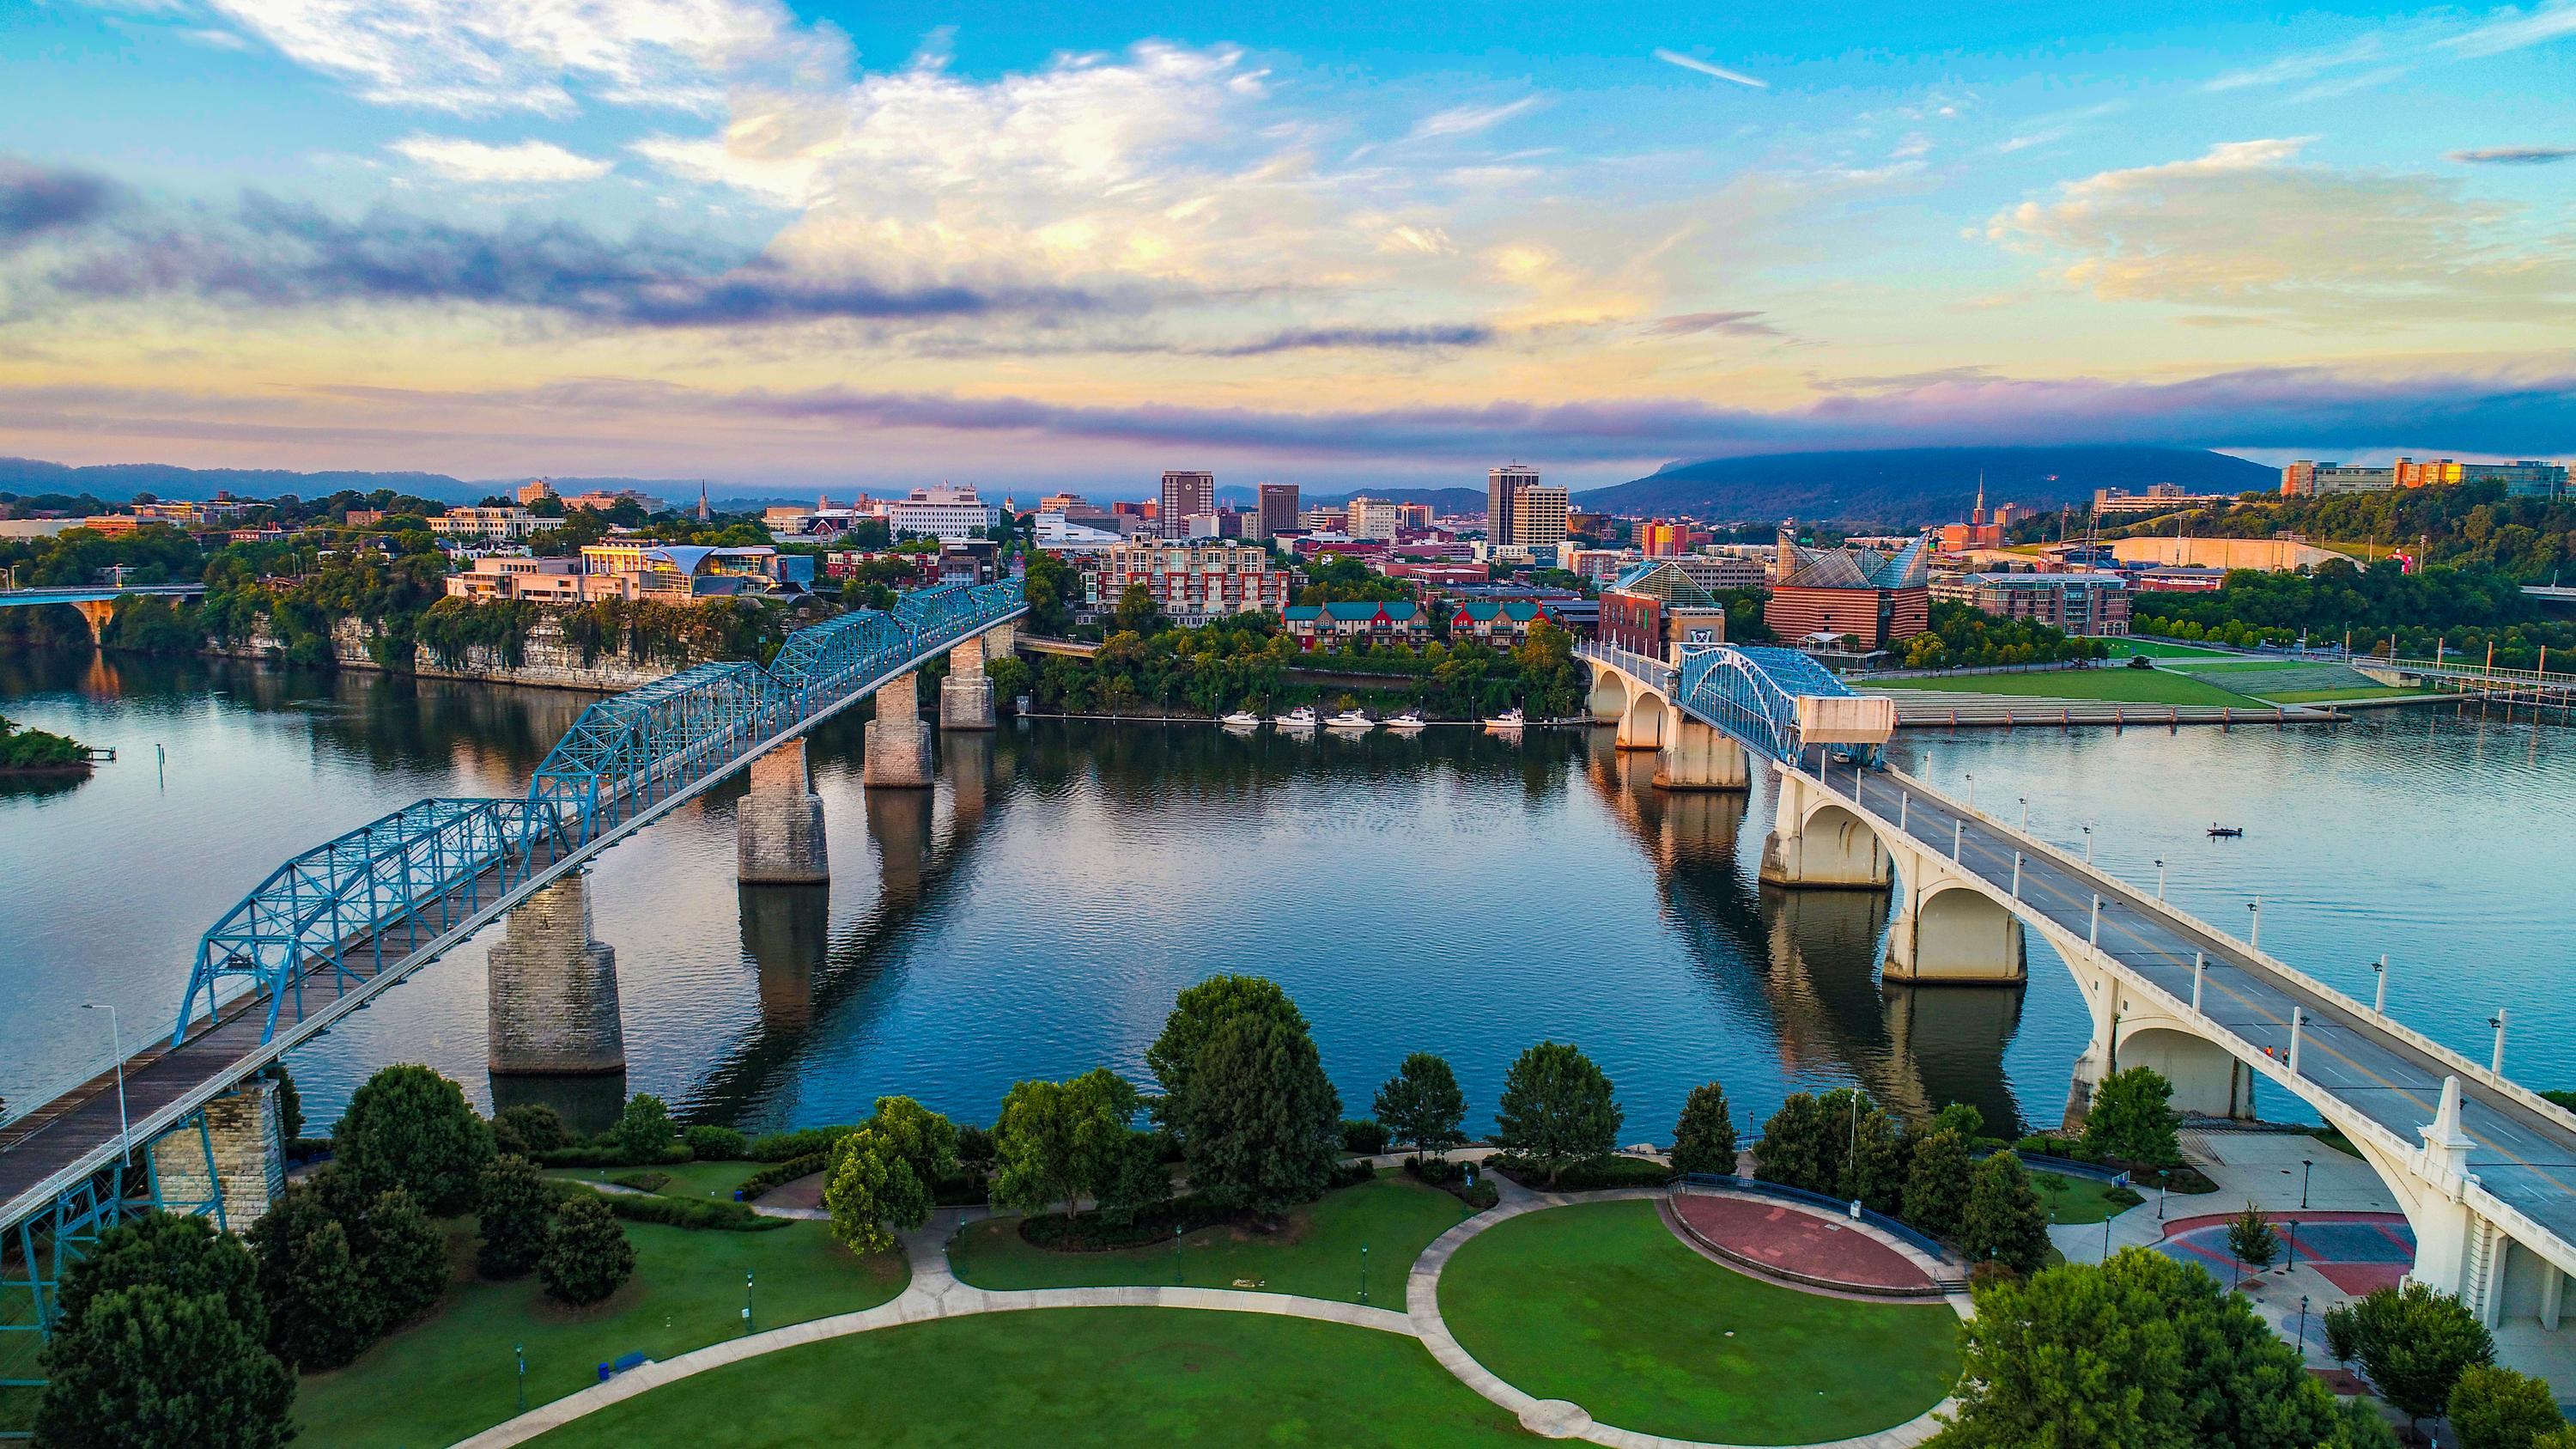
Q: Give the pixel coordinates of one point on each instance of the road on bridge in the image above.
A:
(2526, 1160)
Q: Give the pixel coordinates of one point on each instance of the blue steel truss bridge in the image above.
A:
(333, 926)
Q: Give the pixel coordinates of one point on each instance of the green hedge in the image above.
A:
(1593, 1176)
(1090, 1233)
(803, 1142)
(680, 1212)
(609, 1154)
(780, 1174)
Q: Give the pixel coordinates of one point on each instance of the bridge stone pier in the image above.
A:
(553, 990)
(1700, 756)
(249, 1148)
(96, 613)
(898, 741)
(779, 825)
(1947, 928)
(966, 695)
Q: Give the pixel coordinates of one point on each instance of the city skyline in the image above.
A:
(786, 246)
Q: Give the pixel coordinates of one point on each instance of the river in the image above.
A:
(1034, 914)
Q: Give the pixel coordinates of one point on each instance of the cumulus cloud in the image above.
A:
(2249, 226)
(525, 163)
(35, 200)
(476, 56)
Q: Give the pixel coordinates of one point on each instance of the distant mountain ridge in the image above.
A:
(118, 482)
(1904, 487)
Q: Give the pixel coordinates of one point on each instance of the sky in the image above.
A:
(823, 245)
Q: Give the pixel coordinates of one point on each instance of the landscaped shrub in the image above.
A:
(1349, 1174)
(965, 1189)
(409, 1127)
(1362, 1137)
(644, 1129)
(1451, 1177)
(779, 1174)
(1480, 1195)
(587, 1256)
(530, 1128)
(710, 1143)
(607, 1153)
(1089, 1232)
(643, 1181)
(1596, 1175)
(515, 1208)
(803, 1142)
(694, 1214)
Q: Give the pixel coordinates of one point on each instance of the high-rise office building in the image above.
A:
(1278, 509)
(1500, 487)
(1371, 518)
(1538, 517)
(1185, 493)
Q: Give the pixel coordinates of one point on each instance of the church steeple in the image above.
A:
(1978, 515)
(705, 513)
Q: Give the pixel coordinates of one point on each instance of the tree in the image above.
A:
(2003, 1221)
(923, 1138)
(409, 1127)
(2130, 1118)
(1196, 1014)
(2251, 1241)
(872, 1191)
(1557, 1108)
(643, 1131)
(160, 1344)
(586, 1257)
(1875, 1156)
(2141, 1352)
(1137, 612)
(1799, 1147)
(1936, 1185)
(2414, 1343)
(321, 1311)
(290, 1103)
(1260, 1123)
(409, 1260)
(2496, 1408)
(1136, 1179)
(2343, 1333)
(1958, 1117)
(513, 1214)
(1704, 1138)
(530, 1128)
(1055, 1141)
(1421, 1105)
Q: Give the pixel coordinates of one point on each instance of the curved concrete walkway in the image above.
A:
(935, 1293)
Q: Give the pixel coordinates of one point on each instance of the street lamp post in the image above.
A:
(2306, 1165)
(2380, 970)
(2303, 1325)
(2025, 815)
(1971, 777)
(2160, 877)
(2497, 1021)
(1363, 1272)
(116, 1037)
(2088, 845)
(521, 1350)
(746, 1302)
(2291, 1243)
(1176, 1255)
(2255, 940)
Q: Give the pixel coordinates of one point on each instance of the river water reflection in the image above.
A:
(1035, 912)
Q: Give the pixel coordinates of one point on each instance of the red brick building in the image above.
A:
(1879, 599)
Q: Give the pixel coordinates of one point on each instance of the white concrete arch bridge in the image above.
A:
(2484, 1169)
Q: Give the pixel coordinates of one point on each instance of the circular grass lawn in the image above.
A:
(1600, 1304)
(1083, 1378)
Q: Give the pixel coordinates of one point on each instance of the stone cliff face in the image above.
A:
(546, 659)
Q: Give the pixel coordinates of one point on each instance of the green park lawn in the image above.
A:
(2129, 686)
(1600, 1304)
(1081, 1378)
(2159, 649)
(701, 1180)
(2075, 1199)
(452, 1373)
(1316, 1255)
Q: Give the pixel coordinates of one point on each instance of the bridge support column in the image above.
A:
(1700, 757)
(553, 990)
(898, 743)
(249, 1167)
(96, 613)
(1815, 842)
(1945, 931)
(966, 695)
(778, 827)
(1646, 723)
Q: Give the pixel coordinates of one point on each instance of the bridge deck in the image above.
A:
(2523, 1157)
